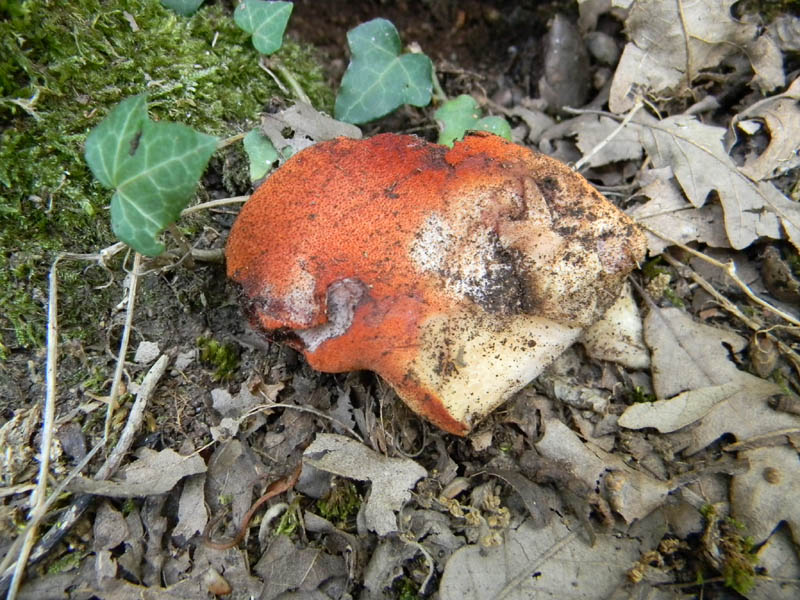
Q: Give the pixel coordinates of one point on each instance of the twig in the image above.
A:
(293, 83)
(123, 346)
(36, 518)
(230, 140)
(438, 92)
(308, 409)
(80, 504)
(214, 204)
(585, 159)
(135, 418)
(734, 310)
(730, 270)
(38, 496)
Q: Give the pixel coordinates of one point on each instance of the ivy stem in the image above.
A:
(186, 249)
(438, 92)
(231, 140)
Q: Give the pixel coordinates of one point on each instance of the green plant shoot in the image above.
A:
(266, 21)
(379, 79)
(462, 114)
(154, 168)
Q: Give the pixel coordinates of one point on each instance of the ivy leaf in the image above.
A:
(459, 115)
(265, 20)
(378, 78)
(261, 153)
(154, 168)
(185, 8)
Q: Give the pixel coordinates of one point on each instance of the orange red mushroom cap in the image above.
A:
(455, 274)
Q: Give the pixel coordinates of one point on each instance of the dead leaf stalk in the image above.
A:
(123, 345)
(586, 158)
(730, 270)
(730, 306)
(38, 496)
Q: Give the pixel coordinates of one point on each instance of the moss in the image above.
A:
(341, 503)
(223, 357)
(63, 66)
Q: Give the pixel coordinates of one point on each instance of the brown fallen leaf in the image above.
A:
(668, 213)
(631, 493)
(698, 158)
(150, 474)
(545, 563)
(766, 494)
(391, 478)
(592, 130)
(671, 43)
(688, 355)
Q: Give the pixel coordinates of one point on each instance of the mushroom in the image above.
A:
(456, 274)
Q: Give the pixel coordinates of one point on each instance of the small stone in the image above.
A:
(146, 353)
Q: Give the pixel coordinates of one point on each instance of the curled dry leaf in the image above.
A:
(691, 356)
(765, 495)
(671, 43)
(391, 478)
(631, 493)
(697, 156)
(782, 119)
(456, 274)
(618, 335)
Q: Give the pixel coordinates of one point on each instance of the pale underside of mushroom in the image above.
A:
(457, 275)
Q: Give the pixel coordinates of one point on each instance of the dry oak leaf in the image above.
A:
(541, 563)
(392, 478)
(150, 474)
(594, 129)
(781, 116)
(696, 154)
(671, 43)
(767, 493)
(690, 356)
(667, 212)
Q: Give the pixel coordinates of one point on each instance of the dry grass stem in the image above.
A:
(123, 345)
(587, 157)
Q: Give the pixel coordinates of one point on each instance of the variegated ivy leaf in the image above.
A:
(154, 168)
(379, 78)
(266, 21)
(462, 114)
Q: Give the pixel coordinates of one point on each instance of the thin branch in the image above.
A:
(123, 346)
(293, 83)
(734, 310)
(730, 270)
(79, 505)
(38, 497)
(586, 158)
(308, 409)
(135, 418)
(214, 204)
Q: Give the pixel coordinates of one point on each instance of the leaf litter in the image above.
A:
(536, 507)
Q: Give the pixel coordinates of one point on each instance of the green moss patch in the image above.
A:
(63, 66)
